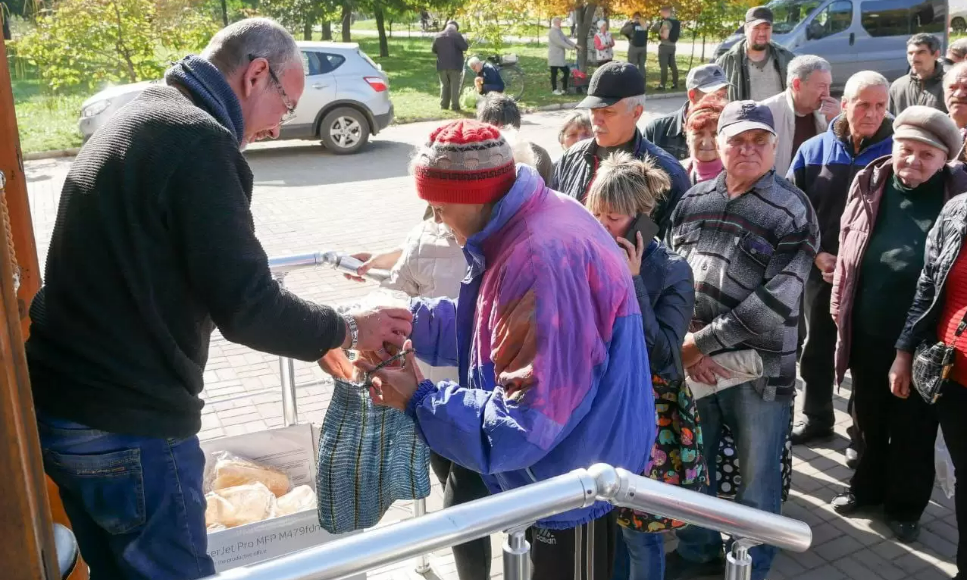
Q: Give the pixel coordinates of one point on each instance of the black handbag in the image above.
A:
(933, 363)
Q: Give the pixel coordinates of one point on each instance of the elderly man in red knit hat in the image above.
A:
(547, 335)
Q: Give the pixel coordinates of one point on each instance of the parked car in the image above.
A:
(346, 99)
(854, 35)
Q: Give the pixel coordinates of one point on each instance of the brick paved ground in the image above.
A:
(308, 200)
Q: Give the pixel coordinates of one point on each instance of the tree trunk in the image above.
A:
(584, 15)
(694, 42)
(307, 28)
(703, 47)
(347, 22)
(326, 30)
(225, 12)
(381, 28)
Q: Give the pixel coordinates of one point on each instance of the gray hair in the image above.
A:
(955, 71)
(499, 110)
(863, 80)
(803, 66)
(579, 117)
(474, 61)
(923, 39)
(958, 48)
(632, 102)
(234, 46)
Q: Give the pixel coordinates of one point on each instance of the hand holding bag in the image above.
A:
(933, 363)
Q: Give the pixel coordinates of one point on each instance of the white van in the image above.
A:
(855, 35)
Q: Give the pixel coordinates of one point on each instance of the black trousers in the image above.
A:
(896, 467)
(582, 553)
(952, 409)
(565, 71)
(817, 364)
(461, 486)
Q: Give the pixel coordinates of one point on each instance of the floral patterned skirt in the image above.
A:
(676, 457)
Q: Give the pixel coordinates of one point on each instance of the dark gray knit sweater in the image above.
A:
(154, 246)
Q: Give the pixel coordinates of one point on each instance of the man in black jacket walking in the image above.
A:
(449, 47)
(153, 248)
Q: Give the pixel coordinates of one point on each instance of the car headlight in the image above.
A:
(95, 109)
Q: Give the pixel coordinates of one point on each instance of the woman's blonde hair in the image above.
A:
(627, 186)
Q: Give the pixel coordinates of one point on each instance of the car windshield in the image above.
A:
(789, 13)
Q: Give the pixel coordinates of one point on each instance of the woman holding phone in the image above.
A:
(622, 197)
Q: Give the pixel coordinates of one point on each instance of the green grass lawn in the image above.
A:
(415, 87)
(47, 122)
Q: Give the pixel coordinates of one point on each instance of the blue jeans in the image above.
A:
(135, 503)
(759, 428)
(639, 556)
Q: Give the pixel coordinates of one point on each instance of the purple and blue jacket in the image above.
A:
(546, 332)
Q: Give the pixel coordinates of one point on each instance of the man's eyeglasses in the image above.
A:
(289, 107)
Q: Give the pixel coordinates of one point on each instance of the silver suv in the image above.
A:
(346, 99)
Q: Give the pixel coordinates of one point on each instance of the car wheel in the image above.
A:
(958, 24)
(344, 131)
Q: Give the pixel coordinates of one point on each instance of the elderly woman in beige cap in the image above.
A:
(892, 204)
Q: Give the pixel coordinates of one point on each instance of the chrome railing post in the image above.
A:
(423, 561)
(517, 561)
(290, 410)
(738, 562)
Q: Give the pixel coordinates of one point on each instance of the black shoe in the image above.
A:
(846, 504)
(674, 87)
(905, 532)
(660, 88)
(806, 432)
(852, 458)
(678, 568)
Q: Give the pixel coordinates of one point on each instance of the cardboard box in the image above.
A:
(289, 449)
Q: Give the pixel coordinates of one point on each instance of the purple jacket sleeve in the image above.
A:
(544, 377)
(434, 334)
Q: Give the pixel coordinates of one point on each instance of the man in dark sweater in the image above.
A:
(154, 247)
(449, 47)
(750, 237)
(636, 32)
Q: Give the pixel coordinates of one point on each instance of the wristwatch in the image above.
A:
(353, 331)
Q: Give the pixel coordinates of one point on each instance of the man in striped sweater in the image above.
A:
(750, 237)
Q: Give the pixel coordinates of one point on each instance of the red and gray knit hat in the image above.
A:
(465, 162)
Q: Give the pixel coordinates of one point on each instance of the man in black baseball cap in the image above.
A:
(616, 99)
(668, 131)
(756, 66)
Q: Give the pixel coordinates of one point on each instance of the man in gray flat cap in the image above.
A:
(668, 131)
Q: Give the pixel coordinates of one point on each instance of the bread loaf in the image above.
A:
(300, 499)
(240, 505)
(234, 472)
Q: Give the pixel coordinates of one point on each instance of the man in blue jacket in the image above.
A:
(488, 77)
(824, 168)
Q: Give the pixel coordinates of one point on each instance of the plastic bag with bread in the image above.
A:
(231, 470)
(239, 505)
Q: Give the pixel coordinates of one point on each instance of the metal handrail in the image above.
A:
(523, 506)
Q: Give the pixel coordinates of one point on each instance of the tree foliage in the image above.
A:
(88, 42)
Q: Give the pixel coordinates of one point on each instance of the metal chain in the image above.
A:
(9, 230)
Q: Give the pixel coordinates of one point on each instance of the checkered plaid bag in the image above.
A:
(932, 364)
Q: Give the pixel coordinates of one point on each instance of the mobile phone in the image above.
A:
(643, 224)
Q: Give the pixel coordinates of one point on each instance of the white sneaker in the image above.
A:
(558, 92)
